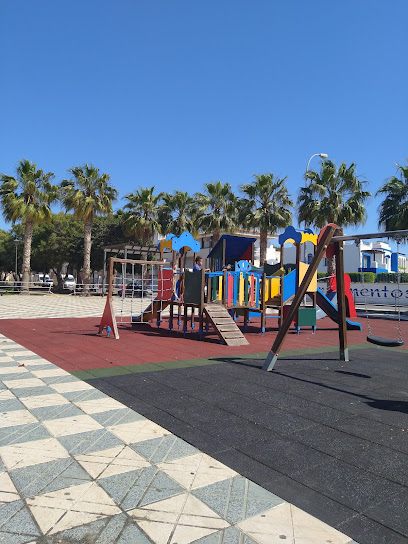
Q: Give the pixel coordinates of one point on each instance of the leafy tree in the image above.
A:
(333, 196)
(27, 199)
(178, 213)
(142, 209)
(88, 194)
(266, 207)
(106, 231)
(217, 209)
(57, 244)
(393, 209)
(7, 251)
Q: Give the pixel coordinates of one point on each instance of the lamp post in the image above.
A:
(322, 156)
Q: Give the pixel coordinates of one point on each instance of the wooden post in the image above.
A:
(272, 357)
(341, 301)
(201, 307)
(224, 289)
(263, 304)
(282, 279)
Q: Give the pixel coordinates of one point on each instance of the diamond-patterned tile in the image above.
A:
(112, 461)
(70, 387)
(237, 498)
(117, 417)
(70, 507)
(42, 401)
(196, 470)
(54, 475)
(96, 406)
(31, 453)
(165, 448)
(294, 524)
(8, 492)
(23, 384)
(138, 431)
(17, 417)
(9, 405)
(56, 412)
(71, 425)
(79, 444)
(23, 433)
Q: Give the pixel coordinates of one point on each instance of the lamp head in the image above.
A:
(323, 155)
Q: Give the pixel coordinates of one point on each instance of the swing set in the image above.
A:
(330, 243)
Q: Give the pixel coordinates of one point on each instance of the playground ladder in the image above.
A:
(224, 325)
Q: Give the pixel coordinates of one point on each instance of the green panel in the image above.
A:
(306, 317)
(214, 288)
(193, 286)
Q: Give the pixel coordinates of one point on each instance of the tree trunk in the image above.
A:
(263, 243)
(28, 236)
(86, 271)
(331, 268)
(215, 237)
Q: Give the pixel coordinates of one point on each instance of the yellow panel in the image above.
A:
(290, 241)
(220, 278)
(241, 289)
(275, 286)
(307, 237)
(302, 271)
(266, 289)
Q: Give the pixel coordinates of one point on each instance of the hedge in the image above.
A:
(356, 277)
(391, 277)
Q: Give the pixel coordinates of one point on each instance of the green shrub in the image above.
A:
(357, 277)
(321, 275)
(391, 277)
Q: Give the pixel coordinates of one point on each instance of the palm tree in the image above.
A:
(333, 196)
(88, 194)
(266, 207)
(142, 217)
(393, 209)
(27, 198)
(178, 213)
(217, 209)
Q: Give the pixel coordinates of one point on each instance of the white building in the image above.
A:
(365, 257)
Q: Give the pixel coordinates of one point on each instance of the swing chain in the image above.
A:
(357, 242)
(398, 240)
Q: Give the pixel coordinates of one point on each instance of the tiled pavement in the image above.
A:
(58, 306)
(80, 467)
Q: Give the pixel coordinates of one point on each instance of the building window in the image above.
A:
(309, 258)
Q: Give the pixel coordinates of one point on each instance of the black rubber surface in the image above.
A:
(327, 436)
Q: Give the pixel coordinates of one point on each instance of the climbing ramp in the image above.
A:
(224, 325)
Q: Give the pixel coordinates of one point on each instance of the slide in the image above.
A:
(331, 310)
(150, 314)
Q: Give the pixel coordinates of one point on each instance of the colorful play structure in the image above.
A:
(233, 288)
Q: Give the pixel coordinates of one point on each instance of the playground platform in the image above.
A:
(324, 442)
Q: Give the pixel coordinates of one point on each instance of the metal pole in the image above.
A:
(386, 234)
(16, 242)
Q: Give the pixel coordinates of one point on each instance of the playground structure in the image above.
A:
(220, 297)
(331, 245)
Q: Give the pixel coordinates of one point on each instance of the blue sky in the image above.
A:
(177, 93)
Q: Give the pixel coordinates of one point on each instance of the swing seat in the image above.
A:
(387, 342)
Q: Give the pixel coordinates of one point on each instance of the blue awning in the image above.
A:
(235, 247)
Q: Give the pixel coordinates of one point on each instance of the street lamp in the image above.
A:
(322, 156)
